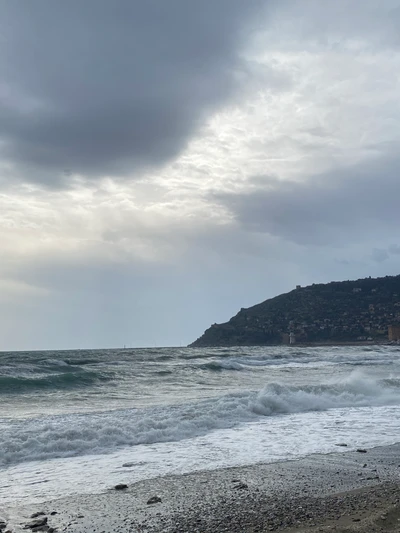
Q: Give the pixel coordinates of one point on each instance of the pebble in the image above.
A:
(241, 486)
(257, 512)
(39, 523)
(121, 486)
(154, 499)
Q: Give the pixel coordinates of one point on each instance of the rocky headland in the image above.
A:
(358, 311)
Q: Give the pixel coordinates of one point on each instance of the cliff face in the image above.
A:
(344, 311)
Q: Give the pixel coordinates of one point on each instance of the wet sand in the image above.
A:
(350, 491)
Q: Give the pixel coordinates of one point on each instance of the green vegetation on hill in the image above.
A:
(346, 311)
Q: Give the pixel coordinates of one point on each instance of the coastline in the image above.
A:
(345, 491)
(302, 344)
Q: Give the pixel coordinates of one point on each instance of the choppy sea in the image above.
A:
(82, 421)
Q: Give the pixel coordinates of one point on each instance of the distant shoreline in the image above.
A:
(302, 344)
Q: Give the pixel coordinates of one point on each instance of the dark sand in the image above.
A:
(349, 491)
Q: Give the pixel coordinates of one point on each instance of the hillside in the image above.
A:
(346, 311)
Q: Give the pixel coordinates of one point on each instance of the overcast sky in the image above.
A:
(165, 163)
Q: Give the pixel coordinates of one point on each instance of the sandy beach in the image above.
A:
(349, 491)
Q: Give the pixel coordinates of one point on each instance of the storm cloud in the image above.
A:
(106, 88)
(165, 163)
(352, 204)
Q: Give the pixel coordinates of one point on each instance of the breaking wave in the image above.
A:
(218, 366)
(80, 434)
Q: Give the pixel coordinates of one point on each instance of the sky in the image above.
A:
(163, 164)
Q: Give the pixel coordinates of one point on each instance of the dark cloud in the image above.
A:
(101, 87)
(348, 205)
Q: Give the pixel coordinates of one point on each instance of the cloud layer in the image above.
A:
(355, 204)
(163, 164)
(106, 88)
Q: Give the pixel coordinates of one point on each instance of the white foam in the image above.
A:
(56, 362)
(78, 434)
(265, 440)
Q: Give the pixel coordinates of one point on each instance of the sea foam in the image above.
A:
(81, 434)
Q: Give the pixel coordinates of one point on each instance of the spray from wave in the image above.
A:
(70, 435)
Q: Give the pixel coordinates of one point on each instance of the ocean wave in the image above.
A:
(392, 382)
(239, 360)
(79, 362)
(164, 372)
(218, 366)
(78, 434)
(163, 358)
(66, 380)
(249, 363)
(355, 390)
(55, 362)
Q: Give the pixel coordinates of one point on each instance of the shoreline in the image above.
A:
(302, 344)
(349, 491)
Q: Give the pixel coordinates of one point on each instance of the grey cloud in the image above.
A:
(349, 205)
(394, 249)
(101, 87)
(379, 255)
(382, 254)
(331, 23)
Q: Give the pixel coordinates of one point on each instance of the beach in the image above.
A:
(205, 440)
(351, 491)
(200, 266)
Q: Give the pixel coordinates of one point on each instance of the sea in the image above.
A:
(81, 421)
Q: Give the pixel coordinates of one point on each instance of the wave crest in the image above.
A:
(66, 380)
(69, 435)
